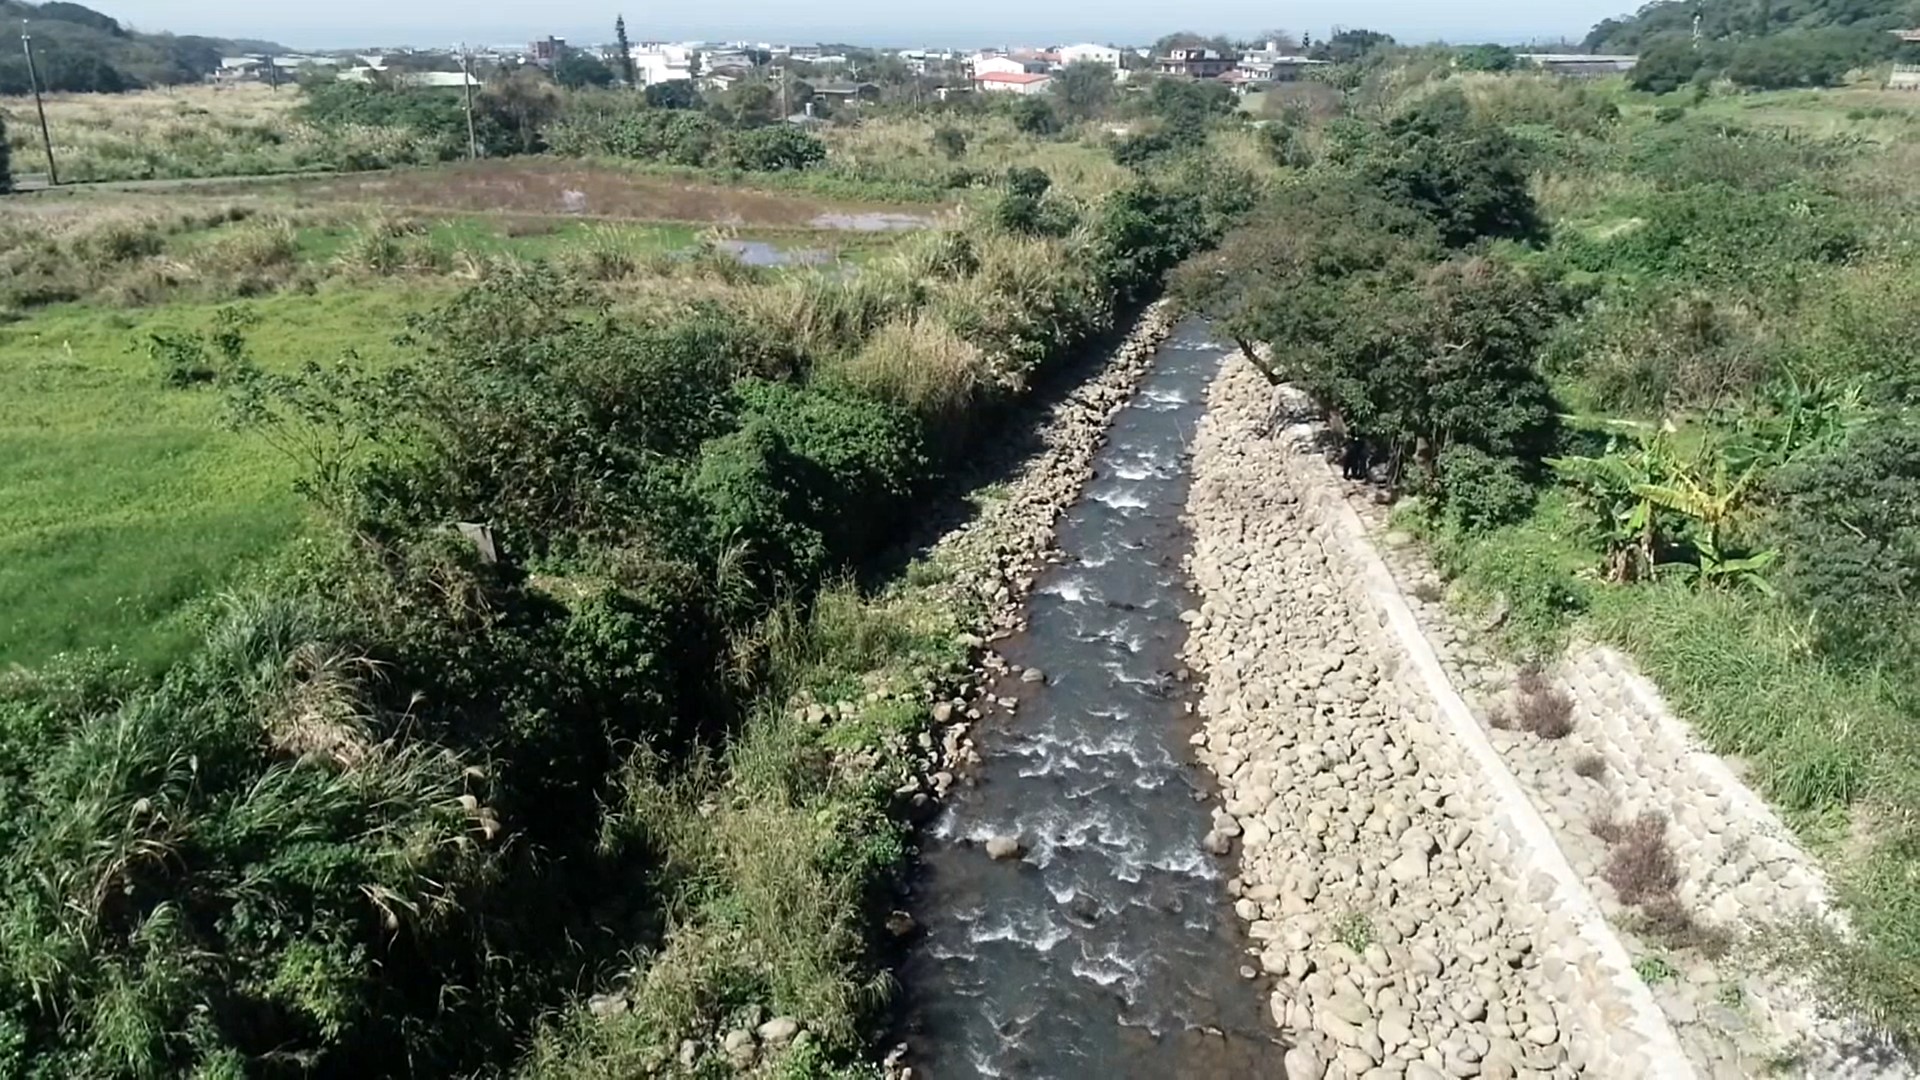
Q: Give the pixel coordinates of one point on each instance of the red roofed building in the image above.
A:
(1007, 82)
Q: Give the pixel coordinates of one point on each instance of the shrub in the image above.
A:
(1032, 115)
(774, 148)
(618, 126)
(1284, 144)
(746, 485)
(1640, 866)
(1479, 491)
(1547, 713)
(857, 459)
(1667, 65)
(6, 159)
(1849, 524)
(950, 142)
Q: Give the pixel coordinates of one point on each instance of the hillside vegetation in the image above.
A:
(1647, 371)
(79, 49)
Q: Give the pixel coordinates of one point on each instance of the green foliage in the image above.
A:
(1032, 115)
(1849, 520)
(1724, 19)
(1347, 46)
(1480, 491)
(618, 126)
(1667, 65)
(1025, 208)
(1463, 173)
(1085, 89)
(1186, 108)
(437, 117)
(773, 149)
(1485, 58)
(1286, 146)
(951, 142)
(675, 94)
(1714, 234)
(578, 70)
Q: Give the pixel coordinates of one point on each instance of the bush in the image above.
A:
(1033, 115)
(1479, 491)
(616, 125)
(746, 485)
(1849, 525)
(774, 149)
(1667, 65)
(950, 142)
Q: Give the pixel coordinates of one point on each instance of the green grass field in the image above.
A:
(123, 501)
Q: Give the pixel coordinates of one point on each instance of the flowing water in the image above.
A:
(1111, 949)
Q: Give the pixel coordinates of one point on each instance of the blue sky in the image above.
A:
(431, 22)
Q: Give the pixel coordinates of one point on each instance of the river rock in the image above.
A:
(1302, 1064)
(1005, 847)
(779, 1031)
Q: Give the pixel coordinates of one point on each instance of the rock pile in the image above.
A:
(1406, 935)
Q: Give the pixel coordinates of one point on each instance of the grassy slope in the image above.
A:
(1836, 750)
(121, 501)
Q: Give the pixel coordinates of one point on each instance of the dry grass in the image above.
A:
(1640, 865)
(1540, 708)
(1590, 766)
(919, 361)
(195, 132)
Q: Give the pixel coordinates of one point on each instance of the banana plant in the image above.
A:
(1707, 500)
(1612, 483)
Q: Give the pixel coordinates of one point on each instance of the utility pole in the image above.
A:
(273, 74)
(466, 83)
(33, 80)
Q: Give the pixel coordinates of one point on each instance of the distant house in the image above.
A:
(848, 91)
(1579, 65)
(1195, 63)
(1273, 65)
(721, 78)
(1911, 37)
(1008, 82)
(1904, 77)
(544, 52)
(1099, 54)
(995, 64)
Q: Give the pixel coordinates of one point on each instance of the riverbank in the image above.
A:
(1398, 886)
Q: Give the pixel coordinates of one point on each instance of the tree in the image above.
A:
(526, 102)
(1187, 39)
(1033, 115)
(1084, 89)
(579, 69)
(627, 70)
(676, 94)
(1485, 58)
(1464, 173)
(1346, 46)
(1666, 66)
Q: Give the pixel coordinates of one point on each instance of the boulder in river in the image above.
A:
(1005, 847)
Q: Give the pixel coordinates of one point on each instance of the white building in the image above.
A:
(661, 63)
(995, 63)
(1011, 82)
(1099, 54)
